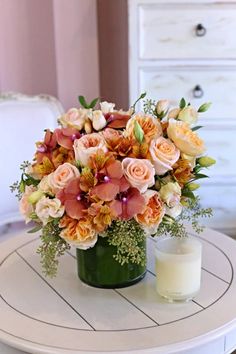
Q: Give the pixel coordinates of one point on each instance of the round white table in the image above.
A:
(64, 316)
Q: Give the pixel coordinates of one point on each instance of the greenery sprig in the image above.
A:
(127, 236)
(52, 247)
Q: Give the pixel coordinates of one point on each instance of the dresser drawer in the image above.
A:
(221, 198)
(173, 32)
(218, 86)
(221, 145)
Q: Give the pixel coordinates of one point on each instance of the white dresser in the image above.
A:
(188, 49)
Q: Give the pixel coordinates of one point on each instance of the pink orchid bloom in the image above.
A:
(117, 120)
(128, 204)
(73, 199)
(110, 182)
(45, 148)
(65, 137)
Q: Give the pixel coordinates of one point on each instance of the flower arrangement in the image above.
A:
(117, 174)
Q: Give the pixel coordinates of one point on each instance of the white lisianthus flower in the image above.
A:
(46, 208)
(44, 185)
(171, 193)
(107, 107)
(26, 208)
(175, 211)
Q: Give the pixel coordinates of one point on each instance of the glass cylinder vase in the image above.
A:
(97, 267)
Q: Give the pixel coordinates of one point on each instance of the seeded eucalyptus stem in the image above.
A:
(128, 237)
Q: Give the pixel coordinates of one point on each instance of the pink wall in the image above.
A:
(49, 46)
(76, 42)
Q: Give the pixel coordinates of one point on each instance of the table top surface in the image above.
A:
(65, 316)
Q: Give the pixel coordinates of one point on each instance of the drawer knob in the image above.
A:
(198, 91)
(200, 30)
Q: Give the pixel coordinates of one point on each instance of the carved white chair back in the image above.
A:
(22, 121)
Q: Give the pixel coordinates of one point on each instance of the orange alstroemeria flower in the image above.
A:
(102, 215)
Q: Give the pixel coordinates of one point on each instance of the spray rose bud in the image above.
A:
(206, 161)
(107, 107)
(193, 186)
(88, 127)
(188, 115)
(98, 120)
(162, 106)
(35, 196)
(173, 113)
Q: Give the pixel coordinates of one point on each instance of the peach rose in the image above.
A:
(75, 118)
(25, 207)
(150, 126)
(153, 213)
(111, 134)
(164, 154)
(59, 179)
(87, 146)
(46, 208)
(184, 138)
(139, 172)
(188, 115)
(80, 234)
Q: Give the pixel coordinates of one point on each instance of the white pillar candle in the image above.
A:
(178, 268)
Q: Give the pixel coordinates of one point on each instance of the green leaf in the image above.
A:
(204, 107)
(187, 193)
(31, 180)
(138, 132)
(200, 175)
(22, 186)
(182, 103)
(83, 102)
(197, 127)
(93, 103)
(35, 229)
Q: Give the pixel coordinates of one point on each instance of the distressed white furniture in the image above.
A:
(64, 316)
(23, 120)
(188, 49)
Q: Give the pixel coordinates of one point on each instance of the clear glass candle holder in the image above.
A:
(178, 268)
